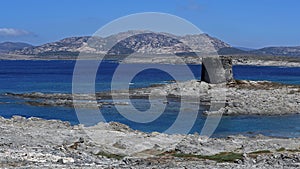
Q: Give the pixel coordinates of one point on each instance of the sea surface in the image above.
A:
(56, 77)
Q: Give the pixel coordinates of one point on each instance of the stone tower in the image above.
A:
(217, 69)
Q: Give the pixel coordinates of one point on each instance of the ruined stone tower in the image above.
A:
(217, 69)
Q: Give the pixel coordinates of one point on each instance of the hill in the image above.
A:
(6, 47)
(278, 51)
(143, 42)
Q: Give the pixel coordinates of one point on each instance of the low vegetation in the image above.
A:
(109, 155)
(220, 157)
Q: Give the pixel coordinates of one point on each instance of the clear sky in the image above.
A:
(246, 23)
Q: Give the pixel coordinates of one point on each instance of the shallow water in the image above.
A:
(56, 77)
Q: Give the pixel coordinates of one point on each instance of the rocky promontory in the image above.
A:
(240, 97)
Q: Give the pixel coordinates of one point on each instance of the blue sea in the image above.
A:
(56, 77)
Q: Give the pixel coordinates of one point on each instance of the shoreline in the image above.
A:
(240, 97)
(57, 144)
(259, 61)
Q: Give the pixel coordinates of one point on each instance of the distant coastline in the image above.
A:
(150, 47)
(161, 59)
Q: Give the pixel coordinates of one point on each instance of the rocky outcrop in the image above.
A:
(242, 97)
(37, 143)
(238, 97)
(66, 100)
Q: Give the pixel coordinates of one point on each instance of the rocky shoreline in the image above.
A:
(38, 143)
(259, 61)
(243, 97)
(240, 97)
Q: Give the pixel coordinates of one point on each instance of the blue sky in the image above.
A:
(247, 23)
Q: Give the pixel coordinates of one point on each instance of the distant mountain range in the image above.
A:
(6, 47)
(144, 42)
(243, 48)
(139, 42)
(279, 51)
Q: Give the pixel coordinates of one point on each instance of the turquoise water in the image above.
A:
(56, 77)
